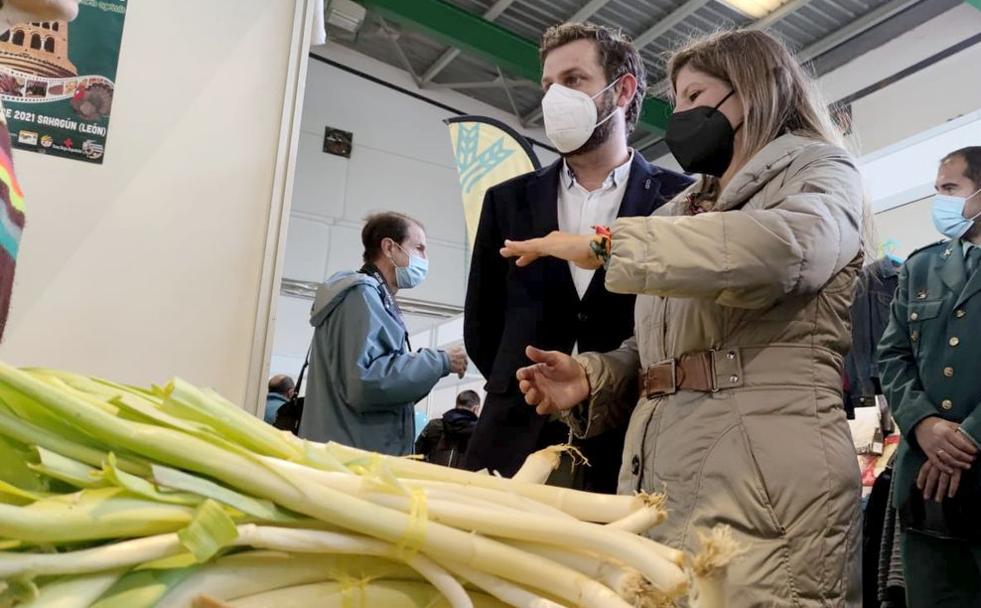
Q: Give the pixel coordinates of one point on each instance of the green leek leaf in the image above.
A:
(142, 588)
(261, 509)
(210, 530)
(142, 487)
(66, 469)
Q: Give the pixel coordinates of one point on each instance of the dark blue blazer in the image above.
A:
(507, 308)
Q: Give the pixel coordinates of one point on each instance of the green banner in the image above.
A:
(57, 81)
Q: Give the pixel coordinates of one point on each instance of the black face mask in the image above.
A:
(701, 139)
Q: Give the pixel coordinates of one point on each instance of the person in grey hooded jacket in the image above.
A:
(364, 379)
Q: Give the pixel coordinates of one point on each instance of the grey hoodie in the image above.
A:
(363, 381)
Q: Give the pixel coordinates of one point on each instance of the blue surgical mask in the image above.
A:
(407, 277)
(948, 215)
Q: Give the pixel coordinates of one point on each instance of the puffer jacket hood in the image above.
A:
(459, 421)
(331, 293)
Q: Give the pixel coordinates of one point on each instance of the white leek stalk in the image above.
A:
(74, 592)
(585, 506)
(646, 555)
(471, 494)
(627, 582)
(126, 553)
(96, 513)
(315, 541)
(380, 593)
(149, 549)
(645, 518)
(538, 466)
(507, 592)
(254, 572)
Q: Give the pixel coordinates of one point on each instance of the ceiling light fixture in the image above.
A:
(346, 15)
(754, 8)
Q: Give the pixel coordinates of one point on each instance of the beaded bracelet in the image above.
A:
(602, 246)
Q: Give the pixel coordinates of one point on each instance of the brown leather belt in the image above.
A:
(695, 371)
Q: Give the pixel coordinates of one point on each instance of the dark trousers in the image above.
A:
(508, 430)
(941, 573)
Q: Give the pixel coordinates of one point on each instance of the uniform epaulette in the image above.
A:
(925, 247)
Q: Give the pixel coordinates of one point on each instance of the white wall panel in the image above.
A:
(447, 276)
(320, 185)
(306, 249)
(923, 100)
(345, 249)
(379, 117)
(450, 331)
(293, 330)
(907, 228)
(382, 181)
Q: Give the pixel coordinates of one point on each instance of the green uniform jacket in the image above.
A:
(930, 354)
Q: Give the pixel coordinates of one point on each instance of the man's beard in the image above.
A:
(602, 133)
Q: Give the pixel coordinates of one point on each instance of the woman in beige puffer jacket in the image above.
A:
(745, 284)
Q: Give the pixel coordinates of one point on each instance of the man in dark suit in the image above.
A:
(594, 81)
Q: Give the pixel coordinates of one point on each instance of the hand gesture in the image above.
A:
(571, 247)
(458, 361)
(946, 447)
(556, 382)
(935, 484)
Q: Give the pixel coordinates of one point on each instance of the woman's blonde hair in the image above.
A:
(778, 95)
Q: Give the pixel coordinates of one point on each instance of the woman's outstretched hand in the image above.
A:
(555, 383)
(572, 247)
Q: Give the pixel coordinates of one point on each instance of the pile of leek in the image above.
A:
(121, 497)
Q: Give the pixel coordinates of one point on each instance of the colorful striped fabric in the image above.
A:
(11, 220)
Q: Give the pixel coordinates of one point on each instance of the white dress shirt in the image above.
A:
(580, 210)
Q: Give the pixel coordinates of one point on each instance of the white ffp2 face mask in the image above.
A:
(570, 116)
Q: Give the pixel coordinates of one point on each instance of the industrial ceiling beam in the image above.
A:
(647, 141)
(532, 117)
(492, 13)
(591, 8)
(449, 55)
(393, 38)
(473, 34)
(663, 26)
(456, 27)
(481, 84)
(855, 28)
(510, 95)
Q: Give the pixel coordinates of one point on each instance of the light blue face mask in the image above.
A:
(407, 277)
(948, 215)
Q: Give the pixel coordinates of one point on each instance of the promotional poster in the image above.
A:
(57, 81)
